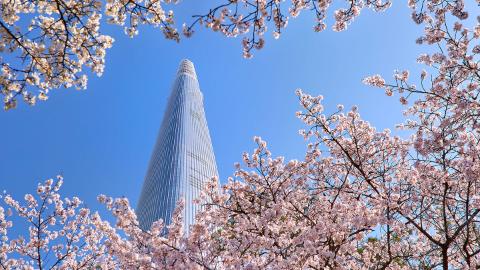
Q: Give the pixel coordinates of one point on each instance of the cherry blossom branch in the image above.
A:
(62, 39)
(251, 18)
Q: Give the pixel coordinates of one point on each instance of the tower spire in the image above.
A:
(186, 67)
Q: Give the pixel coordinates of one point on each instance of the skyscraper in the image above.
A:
(183, 157)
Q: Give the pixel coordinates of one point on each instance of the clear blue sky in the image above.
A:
(101, 139)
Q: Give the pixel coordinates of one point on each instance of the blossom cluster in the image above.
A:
(138, 12)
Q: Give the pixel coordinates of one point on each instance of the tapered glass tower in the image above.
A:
(183, 159)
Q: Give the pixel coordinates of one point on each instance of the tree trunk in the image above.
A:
(445, 258)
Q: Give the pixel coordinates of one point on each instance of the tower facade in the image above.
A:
(183, 159)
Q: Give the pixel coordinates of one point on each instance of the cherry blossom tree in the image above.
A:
(440, 202)
(59, 233)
